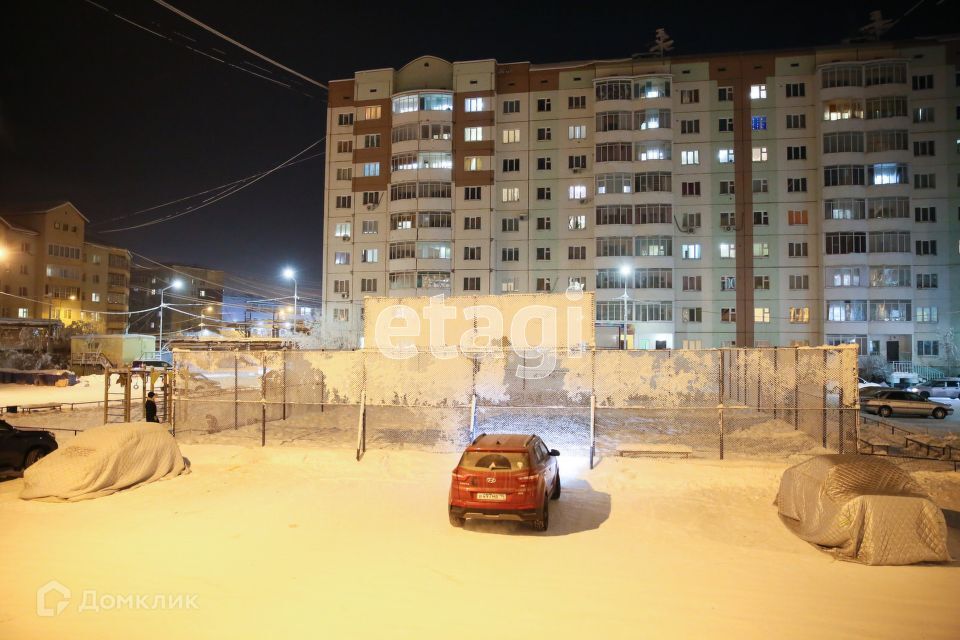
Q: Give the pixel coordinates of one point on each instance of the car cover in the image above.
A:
(864, 509)
(103, 460)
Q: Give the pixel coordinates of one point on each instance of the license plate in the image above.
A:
(491, 496)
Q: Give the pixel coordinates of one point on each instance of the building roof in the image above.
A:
(33, 208)
(14, 227)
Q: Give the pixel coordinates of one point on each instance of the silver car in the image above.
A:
(907, 403)
(940, 388)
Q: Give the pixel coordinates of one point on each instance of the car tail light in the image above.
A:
(467, 479)
(525, 479)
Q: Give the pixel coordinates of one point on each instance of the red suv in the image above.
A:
(505, 477)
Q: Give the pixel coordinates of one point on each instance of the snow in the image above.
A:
(291, 542)
(88, 389)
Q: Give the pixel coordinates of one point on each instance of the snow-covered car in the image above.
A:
(863, 384)
(907, 403)
(20, 448)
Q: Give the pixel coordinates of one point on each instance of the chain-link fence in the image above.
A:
(705, 403)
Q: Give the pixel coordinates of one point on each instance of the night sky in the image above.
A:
(101, 113)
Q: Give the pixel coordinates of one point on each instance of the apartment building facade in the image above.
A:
(773, 198)
(198, 301)
(49, 271)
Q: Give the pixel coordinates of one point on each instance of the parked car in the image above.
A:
(890, 401)
(863, 384)
(20, 448)
(151, 364)
(870, 392)
(505, 477)
(940, 388)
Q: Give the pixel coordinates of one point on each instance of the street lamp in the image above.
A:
(625, 271)
(176, 284)
(290, 274)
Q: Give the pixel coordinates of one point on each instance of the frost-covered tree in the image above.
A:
(662, 43)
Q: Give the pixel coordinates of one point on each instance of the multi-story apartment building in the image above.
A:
(770, 198)
(48, 270)
(199, 300)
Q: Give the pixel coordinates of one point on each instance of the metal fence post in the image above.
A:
(106, 396)
(236, 391)
(263, 398)
(759, 378)
(796, 388)
(776, 386)
(593, 422)
(127, 395)
(721, 431)
(720, 394)
(840, 412)
(823, 401)
(284, 384)
(473, 416)
(361, 425)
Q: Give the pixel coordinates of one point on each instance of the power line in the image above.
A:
(238, 44)
(194, 49)
(201, 193)
(219, 197)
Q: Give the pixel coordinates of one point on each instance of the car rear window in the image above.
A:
(494, 460)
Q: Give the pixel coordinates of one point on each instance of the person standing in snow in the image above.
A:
(150, 407)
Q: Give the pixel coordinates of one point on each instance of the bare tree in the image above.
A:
(662, 43)
(877, 26)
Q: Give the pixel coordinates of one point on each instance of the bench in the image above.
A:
(27, 408)
(645, 450)
(884, 447)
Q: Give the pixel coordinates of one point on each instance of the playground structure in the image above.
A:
(129, 405)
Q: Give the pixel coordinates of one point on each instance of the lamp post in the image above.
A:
(290, 274)
(625, 271)
(176, 284)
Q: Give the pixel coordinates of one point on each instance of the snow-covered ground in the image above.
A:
(284, 542)
(88, 389)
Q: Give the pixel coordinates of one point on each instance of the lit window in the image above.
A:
(690, 251)
(759, 154)
(511, 194)
(758, 91)
(725, 155)
(577, 131)
(578, 191)
(799, 315)
(690, 157)
(758, 123)
(728, 250)
(761, 314)
(475, 104)
(473, 134)
(371, 113)
(474, 163)
(371, 169)
(23, 312)
(577, 222)
(341, 230)
(511, 136)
